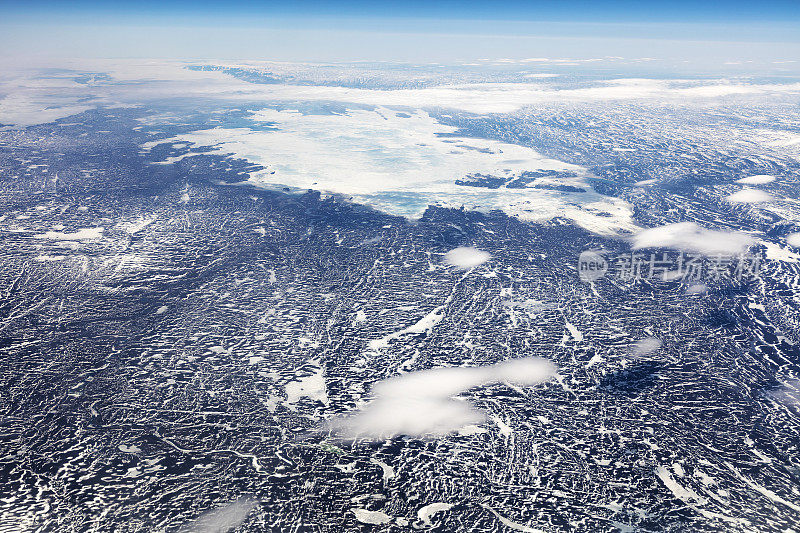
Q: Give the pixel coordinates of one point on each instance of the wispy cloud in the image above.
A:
(222, 519)
(422, 404)
(689, 237)
(162, 79)
(645, 346)
(788, 394)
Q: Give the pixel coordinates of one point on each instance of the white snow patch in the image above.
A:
(371, 517)
(423, 325)
(360, 318)
(779, 253)
(83, 234)
(596, 359)
(678, 490)
(511, 524)
(388, 471)
(138, 225)
(504, 428)
(426, 512)
(402, 165)
(576, 334)
(311, 386)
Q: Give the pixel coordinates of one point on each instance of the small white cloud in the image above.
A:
(465, 257)
(222, 519)
(760, 179)
(421, 403)
(697, 288)
(689, 237)
(793, 239)
(645, 346)
(749, 196)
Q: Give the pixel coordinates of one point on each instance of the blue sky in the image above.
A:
(549, 10)
(403, 30)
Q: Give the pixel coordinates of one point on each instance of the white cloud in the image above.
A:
(793, 239)
(421, 404)
(760, 179)
(465, 257)
(221, 519)
(749, 196)
(788, 394)
(697, 288)
(33, 107)
(645, 346)
(689, 237)
(169, 79)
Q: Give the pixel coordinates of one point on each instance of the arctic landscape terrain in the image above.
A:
(539, 294)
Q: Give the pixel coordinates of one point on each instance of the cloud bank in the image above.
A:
(689, 237)
(421, 404)
(27, 102)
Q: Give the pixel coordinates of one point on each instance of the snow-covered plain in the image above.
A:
(402, 162)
